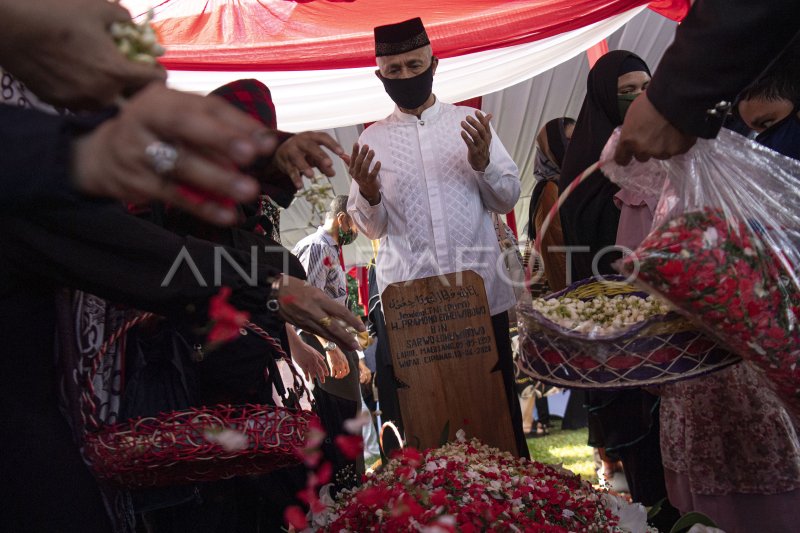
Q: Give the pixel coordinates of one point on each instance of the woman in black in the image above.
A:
(625, 423)
(589, 216)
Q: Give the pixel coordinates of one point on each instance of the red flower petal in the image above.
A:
(317, 506)
(295, 517)
(219, 301)
(404, 472)
(198, 196)
(309, 495)
(468, 528)
(325, 473)
(373, 496)
(312, 458)
(222, 332)
(412, 456)
(671, 268)
(351, 446)
(227, 319)
(439, 497)
(287, 300)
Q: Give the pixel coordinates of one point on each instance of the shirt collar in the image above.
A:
(428, 114)
(326, 236)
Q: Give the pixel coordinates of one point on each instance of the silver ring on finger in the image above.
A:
(162, 156)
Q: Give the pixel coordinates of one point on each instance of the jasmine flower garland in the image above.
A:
(137, 42)
(601, 315)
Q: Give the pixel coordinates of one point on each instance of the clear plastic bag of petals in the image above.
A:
(725, 248)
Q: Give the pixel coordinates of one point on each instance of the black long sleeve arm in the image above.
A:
(721, 47)
(99, 248)
(35, 158)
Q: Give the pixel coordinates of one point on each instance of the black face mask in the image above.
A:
(624, 102)
(346, 237)
(410, 93)
(783, 137)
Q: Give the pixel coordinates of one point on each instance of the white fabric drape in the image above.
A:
(319, 99)
(522, 110)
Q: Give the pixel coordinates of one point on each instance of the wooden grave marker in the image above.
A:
(443, 348)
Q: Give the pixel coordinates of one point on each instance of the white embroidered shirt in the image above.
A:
(434, 213)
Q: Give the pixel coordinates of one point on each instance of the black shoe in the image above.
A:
(540, 431)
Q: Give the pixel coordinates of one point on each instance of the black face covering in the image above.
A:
(410, 93)
(784, 136)
(589, 216)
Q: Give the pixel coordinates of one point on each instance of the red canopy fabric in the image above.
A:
(596, 52)
(270, 35)
(672, 9)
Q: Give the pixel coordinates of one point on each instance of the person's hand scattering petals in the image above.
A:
(299, 154)
(210, 139)
(647, 133)
(311, 310)
(64, 52)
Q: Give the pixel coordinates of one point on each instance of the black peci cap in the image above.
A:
(399, 38)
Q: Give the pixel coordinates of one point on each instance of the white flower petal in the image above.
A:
(354, 425)
(230, 439)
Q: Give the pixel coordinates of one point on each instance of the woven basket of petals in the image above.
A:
(606, 333)
(198, 444)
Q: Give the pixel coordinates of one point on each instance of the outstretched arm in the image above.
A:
(711, 60)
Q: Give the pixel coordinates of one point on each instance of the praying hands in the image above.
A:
(477, 134)
(359, 163)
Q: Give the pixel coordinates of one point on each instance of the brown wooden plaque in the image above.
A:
(443, 349)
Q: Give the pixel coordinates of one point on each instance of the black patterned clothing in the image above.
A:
(85, 245)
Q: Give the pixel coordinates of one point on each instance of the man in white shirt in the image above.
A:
(338, 398)
(438, 173)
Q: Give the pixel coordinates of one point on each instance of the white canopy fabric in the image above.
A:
(522, 110)
(519, 110)
(320, 99)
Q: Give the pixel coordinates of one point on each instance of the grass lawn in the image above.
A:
(567, 447)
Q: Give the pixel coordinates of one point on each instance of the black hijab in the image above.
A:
(557, 138)
(557, 143)
(589, 216)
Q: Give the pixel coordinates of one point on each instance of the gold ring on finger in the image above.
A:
(325, 321)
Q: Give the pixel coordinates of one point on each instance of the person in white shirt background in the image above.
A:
(438, 172)
(338, 398)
